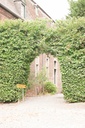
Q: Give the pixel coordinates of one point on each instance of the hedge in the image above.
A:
(19, 45)
(21, 42)
(68, 42)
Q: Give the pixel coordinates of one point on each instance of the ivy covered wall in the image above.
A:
(21, 42)
(68, 42)
(19, 45)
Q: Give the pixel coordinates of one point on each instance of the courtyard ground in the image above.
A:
(50, 111)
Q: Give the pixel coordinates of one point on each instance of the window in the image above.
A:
(36, 66)
(47, 66)
(22, 4)
(23, 10)
(36, 9)
(55, 76)
(54, 64)
(36, 70)
(47, 62)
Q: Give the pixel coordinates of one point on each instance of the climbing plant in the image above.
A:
(21, 42)
(68, 42)
(19, 45)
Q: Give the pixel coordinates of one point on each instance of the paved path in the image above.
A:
(43, 112)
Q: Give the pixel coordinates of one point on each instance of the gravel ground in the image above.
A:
(43, 112)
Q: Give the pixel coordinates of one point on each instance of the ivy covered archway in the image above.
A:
(21, 42)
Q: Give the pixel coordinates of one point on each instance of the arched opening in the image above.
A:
(51, 68)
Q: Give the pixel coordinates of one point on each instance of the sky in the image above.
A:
(57, 9)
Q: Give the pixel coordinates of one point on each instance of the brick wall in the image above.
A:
(42, 64)
(4, 14)
(32, 10)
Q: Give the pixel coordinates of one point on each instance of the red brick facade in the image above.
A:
(52, 67)
(10, 9)
(4, 14)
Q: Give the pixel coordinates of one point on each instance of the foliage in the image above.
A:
(39, 80)
(77, 8)
(50, 87)
(67, 40)
(21, 42)
(19, 45)
(71, 53)
(42, 78)
(33, 81)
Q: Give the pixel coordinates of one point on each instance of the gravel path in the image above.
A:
(43, 112)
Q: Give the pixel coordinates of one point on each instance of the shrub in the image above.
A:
(21, 42)
(68, 42)
(50, 88)
(72, 59)
(19, 45)
(39, 80)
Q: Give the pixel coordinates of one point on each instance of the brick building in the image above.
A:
(51, 66)
(30, 10)
(23, 9)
